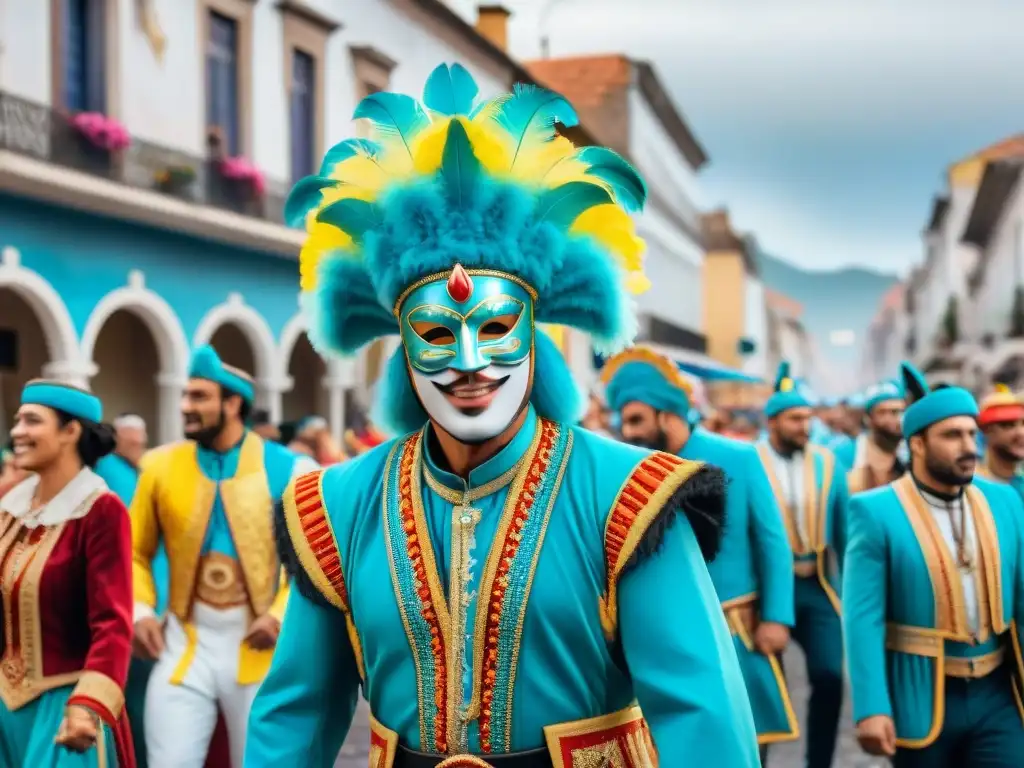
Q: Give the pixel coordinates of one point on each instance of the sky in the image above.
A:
(829, 123)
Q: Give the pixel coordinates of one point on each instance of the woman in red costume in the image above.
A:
(66, 588)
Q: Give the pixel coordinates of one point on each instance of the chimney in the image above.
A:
(492, 23)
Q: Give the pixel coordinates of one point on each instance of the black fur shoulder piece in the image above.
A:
(290, 560)
(702, 499)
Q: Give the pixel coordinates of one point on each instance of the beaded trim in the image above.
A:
(648, 488)
(507, 580)
(421, 599)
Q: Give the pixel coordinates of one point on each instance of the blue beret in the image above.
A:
(63, 397)
(641, 375)
(206, 364)
(928, 406)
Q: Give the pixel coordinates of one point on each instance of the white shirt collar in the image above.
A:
(72, 502)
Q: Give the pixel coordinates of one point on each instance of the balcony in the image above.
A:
(179, 190)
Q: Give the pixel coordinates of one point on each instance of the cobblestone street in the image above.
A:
(355, 752)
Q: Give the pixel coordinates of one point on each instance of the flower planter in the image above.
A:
(94, 160)
(176, 181)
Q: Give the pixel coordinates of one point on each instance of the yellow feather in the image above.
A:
(322, 239)
(637, 283)
(569, 169)
(537, 159)
(613, 228)
(488, 147)
(1002, 389)
(361, 172)
(428, 147)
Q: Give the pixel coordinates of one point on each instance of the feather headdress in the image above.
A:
(447, 181)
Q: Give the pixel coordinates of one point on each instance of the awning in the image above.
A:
(695, 364)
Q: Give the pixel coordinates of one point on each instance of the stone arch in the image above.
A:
(255, 329)
(50, 310)
(304, 390)
(154, 311)
(154, 317)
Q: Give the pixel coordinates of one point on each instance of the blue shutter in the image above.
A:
(84, 56)
(303, 114)
(222, 106)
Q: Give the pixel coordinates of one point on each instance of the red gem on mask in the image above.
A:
(460, 285)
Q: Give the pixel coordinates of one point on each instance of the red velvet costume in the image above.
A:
(67, 612)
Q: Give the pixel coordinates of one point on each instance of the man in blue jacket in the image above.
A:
(753, 573)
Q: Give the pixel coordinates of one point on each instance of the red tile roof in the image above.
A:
(584, 80)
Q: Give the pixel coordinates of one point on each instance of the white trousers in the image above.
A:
(180, 719)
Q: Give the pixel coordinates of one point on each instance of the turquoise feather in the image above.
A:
(351, 216)
(561, 205)
(394, 116)
(304, 197)
(914, 384)
(344, 150)
(529, 115)
(783, 373)
(450, 90)
(608, 166)
(460, 168)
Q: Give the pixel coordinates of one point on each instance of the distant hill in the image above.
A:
(833, 300)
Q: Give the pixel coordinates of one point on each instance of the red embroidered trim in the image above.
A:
(313, 520)
(634, 497)
(510, 546)
(406, 511)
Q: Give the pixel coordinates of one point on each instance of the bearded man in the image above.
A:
(753, 574)
(873, 456)
(812, 497)
(1001, 419)
(507, 588)
(933, 595)
(209, 500)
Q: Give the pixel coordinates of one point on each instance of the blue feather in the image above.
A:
(460, 168)
(450, 90)
(304, 197)
(531, 112)
(342, 151)
(608, 166)
(782, 373)
(563, 204)
(394, 115)
(351, 216)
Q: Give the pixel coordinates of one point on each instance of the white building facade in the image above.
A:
(151, 249)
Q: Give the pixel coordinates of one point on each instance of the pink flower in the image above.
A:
(102, 131)
(240, 169)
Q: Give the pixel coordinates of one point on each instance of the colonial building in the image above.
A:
(942, 323)
(994, 320)
(788, 338)
(626, 107)
(884, 344)
(146, 149)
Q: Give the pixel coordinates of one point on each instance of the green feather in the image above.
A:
(608, 166)
(304, 197)
(394, 116)
(563, 204)
(450, 90)
(351, 216)
(460, 168)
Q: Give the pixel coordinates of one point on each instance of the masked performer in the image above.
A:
(933, 594)
(753, 574)
(516, 591)
(209, 499)
(66, 589)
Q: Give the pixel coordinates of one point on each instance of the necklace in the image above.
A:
(959, 528)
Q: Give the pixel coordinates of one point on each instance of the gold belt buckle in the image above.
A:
(464, 761)
(220, 583)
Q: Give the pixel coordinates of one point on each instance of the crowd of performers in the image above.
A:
(505, 587)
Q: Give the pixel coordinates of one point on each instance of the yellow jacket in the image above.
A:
(173, 502)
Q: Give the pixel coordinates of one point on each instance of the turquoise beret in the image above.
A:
(63, 397)
(206, 364)
(928, 406)
(642, 382)
(787, 394)
(881, 393)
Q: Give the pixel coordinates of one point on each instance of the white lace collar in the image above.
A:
(69, 504)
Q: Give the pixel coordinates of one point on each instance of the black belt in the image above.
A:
(535, 758)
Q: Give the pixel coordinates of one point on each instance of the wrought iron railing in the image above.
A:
(45, 134)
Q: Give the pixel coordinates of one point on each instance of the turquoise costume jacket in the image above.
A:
(824, 500)
(753, 575)
(562, 585)
(903, 604)
(844, 448)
